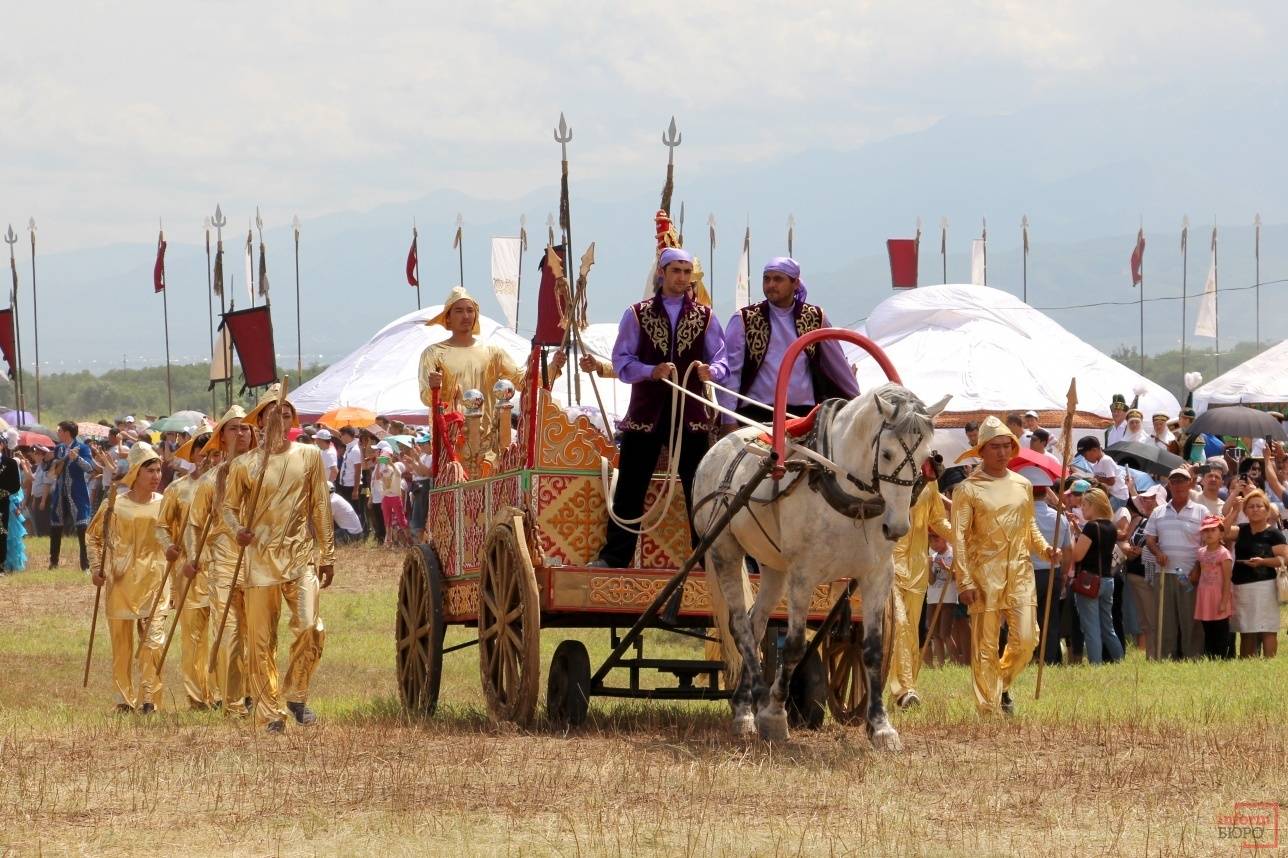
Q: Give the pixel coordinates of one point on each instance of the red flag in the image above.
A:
(413, 263)
(548, 316)
(1138, 259)
(252, 335)
(6, 338)
(158, 269)
(903, 262)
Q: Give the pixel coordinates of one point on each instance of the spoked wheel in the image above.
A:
(419, 629)
(847, 686)
(568, 686)
(509, 622)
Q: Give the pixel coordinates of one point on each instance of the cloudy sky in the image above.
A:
(116, 114)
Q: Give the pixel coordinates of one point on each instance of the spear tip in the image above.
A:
(31, 223)
(295, 223)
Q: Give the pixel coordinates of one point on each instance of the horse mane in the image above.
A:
(908, 414)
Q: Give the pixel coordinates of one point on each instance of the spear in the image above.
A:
(299, 341)
(458, 246)
(210, 312)
(791, 233)
(711, 256)
(165, 314)
(563, 136)
(1066, 435)
(671, 139)
(35, 313)
(1185, 288)
(943, 245)
(1024, 234)
(518, 282)
(219, 222)
(252, 508)
(102, 573)
(11, 238)
(681, 224)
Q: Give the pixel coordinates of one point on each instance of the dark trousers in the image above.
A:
(56, 544)
(1217, 640)
(636, 462)
(419, 505)
(377, 519)
(1051, 624)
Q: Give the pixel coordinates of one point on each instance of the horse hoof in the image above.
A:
(772, 727)
(744, 725)
(887, 739)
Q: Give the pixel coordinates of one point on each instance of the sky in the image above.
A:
(123, 117)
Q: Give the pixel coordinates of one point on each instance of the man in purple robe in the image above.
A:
(658, 337)
(757, 339)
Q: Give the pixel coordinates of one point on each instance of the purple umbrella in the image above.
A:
(17, 418)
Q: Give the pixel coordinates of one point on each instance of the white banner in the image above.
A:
(742, 292)
(979, 262)
(1205, 324)
(221, 366)
(505, 277)
(250, 267)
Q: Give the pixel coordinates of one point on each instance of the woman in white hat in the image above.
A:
(130, 561)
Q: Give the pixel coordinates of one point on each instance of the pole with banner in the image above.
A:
(518, 282)
(1024, 237)
(1138, 279)
(459, 247)
(711, 256)
(412, 268)
(943, 245)
(35, 311)
(158, 285)
(11, 238)
(563, 136)
(210, 312)
(219, 221)
(791, 235)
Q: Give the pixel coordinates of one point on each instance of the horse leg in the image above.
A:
(771, 719)
(876, 590)
(724, 560)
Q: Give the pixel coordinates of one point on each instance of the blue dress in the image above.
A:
(15, 558)
(69, 497)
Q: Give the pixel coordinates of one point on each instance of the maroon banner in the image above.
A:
(158, 268)
(252, 334)
(1138, 258)
(413, 264)
(6, 338)
(903, 262)
(548, 331)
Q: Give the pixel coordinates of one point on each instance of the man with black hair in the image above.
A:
(69, 498)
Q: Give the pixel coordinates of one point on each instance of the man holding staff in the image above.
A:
(278, 503)
(994, 533)
(130, 562)
(212, 571)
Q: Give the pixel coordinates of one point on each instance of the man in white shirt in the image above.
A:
(1039, 438)
(1172, 535)
(330, 461)
(1108, 475)
(347, 526)
(1118, 410)
(1030, 426)
(350, 485)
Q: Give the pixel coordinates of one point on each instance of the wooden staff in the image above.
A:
(156, 601)
(1067, 436)
(250, 521)
(102, 573)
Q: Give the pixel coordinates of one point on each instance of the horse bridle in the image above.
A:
(827, 485)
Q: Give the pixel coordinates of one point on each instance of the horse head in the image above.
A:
(900, 428)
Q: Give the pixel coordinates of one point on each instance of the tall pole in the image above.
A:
(711, 256)
(1216, 299)
(563, 136)
(415, 243)
(1256, 249)
(165, 318)
(459, 244)
(983, 236)
(1141, 302)
(210, 312)
(11, 238)
(791, 234)
(1024, 233)
(299, 337)
(1185, 265)
(943, 245)
(220, 221)
(518, 283)
(35, 313)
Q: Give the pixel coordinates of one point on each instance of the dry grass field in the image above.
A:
(1130, 759)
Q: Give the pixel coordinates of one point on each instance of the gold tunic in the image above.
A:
(219, 552)
(292, 513)
(176, 500)
(912, 552)
(476, 367)
(136, 559)
(994, 532)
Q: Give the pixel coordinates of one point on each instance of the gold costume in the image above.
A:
(994, 532)
(476, 367)
(194, 613)
(135, 566)
(216, 564)
(292, 521)
(911, 578)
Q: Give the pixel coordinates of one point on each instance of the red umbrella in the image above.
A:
(1032, 458)
(34, 439)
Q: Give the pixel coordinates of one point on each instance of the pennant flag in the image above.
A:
(505, 276)
(903, 262)
(250, 267)
(456, 241)
(263, 273)
(219, 270)
(6, 338)
(979, 262)
(1205, 324)
(742, 289)
(413, 262)
(549, 333)
(158, 268)
(1138, 258)
(221, 364)
(1024, 228)
(252, 335)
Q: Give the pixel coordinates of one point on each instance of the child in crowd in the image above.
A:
(390, 474)
(942, 588)
(1213, 603)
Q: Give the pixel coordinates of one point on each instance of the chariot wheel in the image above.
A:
(509, 621)
(847, 686)
(568, 685)
(418, 630)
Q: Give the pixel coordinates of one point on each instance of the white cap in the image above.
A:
(1032, 414)
(322, 434)
(1036, 476)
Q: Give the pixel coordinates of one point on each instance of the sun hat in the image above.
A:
(990, 430)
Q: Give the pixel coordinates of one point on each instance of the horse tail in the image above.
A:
(725, 648)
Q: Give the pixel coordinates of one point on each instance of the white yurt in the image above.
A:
(1262, 380)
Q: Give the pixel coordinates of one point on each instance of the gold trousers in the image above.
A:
(905, 658)
(229, 681)
(993, 675)
(122, 633)
(194, 636)
(263, 610)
